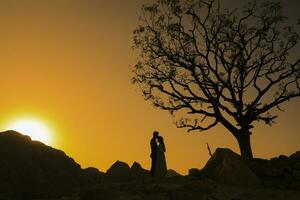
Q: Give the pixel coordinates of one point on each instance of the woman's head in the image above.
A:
(160, 139)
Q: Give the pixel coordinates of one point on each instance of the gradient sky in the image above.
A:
(67, 63)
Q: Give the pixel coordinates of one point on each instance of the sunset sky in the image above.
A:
(67, 63)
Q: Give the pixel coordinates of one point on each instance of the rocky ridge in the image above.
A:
(32, 170)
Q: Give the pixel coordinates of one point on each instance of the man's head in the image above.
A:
(155, 134)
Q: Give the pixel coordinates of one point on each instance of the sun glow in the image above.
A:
(33, 128)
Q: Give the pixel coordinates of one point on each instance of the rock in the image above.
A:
(93, 174)
(295, 156)
(195, 172)
(294, 160)
(257, 166)
(279, 159)
(92, 171)
(296, 165)
(137, 172)
(119, 171)
(280, 172)
(185, 195)
(158, 196)
(234, 193)
(172, 173)
(123, 195)
(163, 186)
(283, 157)
(200, 185)
(31, 169)
(228, 168)
(273, 172)
(296, 174)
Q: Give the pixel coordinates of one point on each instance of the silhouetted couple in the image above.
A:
(158, 149)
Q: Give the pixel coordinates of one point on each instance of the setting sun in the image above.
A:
(36, 129)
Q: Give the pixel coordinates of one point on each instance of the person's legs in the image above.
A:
(153, 165)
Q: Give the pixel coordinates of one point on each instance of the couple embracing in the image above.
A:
(158, 149)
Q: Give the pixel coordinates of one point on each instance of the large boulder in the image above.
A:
(295, 156)
(92, 174)
(228, 168)
(119, 171)
(280, 172)
(138, 172)
(194, 172)
(172, 173)
(294, 160)
(30, 169)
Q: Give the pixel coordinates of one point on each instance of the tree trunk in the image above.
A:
(243, 139)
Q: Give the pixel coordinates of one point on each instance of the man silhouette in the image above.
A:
(153, 155)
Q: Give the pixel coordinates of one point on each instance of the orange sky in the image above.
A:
(67, 63)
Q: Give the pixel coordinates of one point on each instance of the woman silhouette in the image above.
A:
(161, 165)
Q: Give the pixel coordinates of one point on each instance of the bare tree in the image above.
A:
(212, 66)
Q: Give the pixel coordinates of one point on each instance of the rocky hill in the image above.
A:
(226, 176)
(32, 170)
(228, 168)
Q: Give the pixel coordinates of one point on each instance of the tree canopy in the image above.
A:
(213, 66)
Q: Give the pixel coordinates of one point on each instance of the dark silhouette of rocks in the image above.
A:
(138, 172)
(280, 172)
(172, 173)
(93, 174)
(226, 176)
(195, 172)
(30, 169)
(228, 168)
(119, 171)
